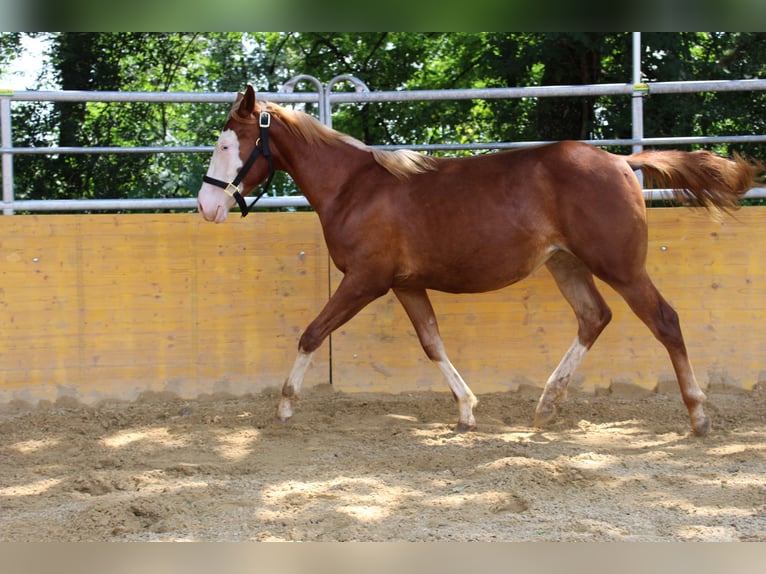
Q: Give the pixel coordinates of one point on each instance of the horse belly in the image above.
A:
(483, 268)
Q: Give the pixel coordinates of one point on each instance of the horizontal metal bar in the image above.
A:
(547, 91)
(55, 150)
(691, 140)
(155, 97)
(479, 93)
(190, 203)
(662, 194)
(185, 203)
(392, 96)
(600, 143)
(706, 86)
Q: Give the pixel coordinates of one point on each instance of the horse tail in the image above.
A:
(698, 178)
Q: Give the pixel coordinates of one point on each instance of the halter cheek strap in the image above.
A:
(231, 188)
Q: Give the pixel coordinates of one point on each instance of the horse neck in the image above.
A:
(320, 169)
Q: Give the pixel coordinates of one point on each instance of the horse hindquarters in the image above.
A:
(610, 239)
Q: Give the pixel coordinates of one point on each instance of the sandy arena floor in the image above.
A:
(383, 468)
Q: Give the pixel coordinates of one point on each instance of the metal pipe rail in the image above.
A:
(552, 91)
(325, 98)
(419, 147)
(181, 204)
(190, 203)
(155, 97)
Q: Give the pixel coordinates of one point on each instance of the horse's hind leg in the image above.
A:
(647, 302)
(575, 282)
(292, 387)
(421, 313)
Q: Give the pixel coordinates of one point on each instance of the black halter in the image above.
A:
(261, 148)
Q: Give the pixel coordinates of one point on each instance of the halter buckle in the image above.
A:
(264, 120)
(231, 189)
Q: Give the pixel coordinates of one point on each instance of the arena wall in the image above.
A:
(113, 306)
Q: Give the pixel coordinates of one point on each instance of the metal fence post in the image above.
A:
(359, 87)
(289, 87)
(640, 89)
(7, 158)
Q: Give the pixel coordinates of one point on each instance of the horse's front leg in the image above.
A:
(352, 295)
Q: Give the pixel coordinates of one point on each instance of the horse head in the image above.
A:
(241, 160)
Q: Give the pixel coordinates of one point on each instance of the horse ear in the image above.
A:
(246, 102)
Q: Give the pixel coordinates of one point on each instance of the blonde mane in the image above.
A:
(402, 163)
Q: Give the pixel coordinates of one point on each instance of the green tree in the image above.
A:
(10, 45)
(128, 62)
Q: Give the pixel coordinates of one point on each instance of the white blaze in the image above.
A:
(213, 202)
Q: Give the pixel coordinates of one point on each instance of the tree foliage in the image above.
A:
(213, 62)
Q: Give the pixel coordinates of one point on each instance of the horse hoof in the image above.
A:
(282, 418)
(702, 427)
(284, 410)
(281, 422)
(544, 417)
(462, 428)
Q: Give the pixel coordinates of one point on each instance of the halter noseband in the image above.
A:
(232, 188)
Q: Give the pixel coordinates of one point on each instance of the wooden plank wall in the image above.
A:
(98, 306)
(111, 306)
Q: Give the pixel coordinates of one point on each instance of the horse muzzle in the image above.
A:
(212, 206)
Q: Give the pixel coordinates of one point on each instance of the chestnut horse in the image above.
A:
(407, 222)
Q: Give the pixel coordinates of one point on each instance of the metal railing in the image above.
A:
(326, 98)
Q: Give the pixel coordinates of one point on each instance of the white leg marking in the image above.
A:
(292, 386)
(466, 400)
(559, 379)
(556, 385)
(693, 398)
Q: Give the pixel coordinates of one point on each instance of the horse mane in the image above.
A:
(402, 163)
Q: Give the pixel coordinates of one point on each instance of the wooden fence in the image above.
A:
(112, 306)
